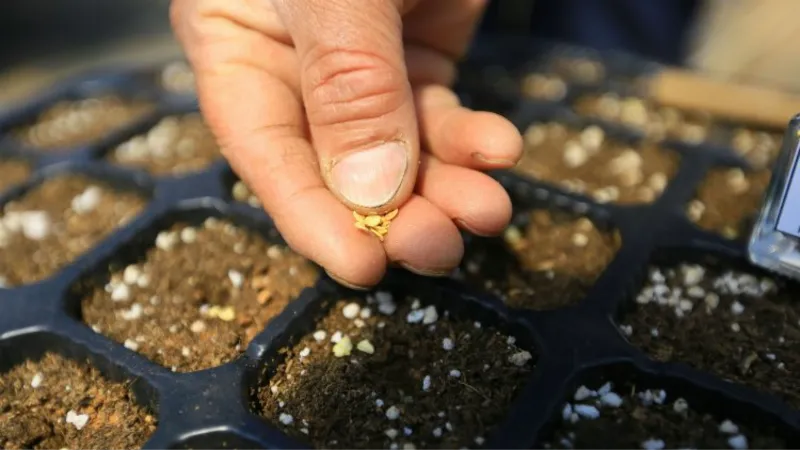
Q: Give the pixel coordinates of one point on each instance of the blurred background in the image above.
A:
(43, 40)
(737, 39)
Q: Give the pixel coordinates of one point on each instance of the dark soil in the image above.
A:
(740, 327)
(199, 296)
(13, 172)
(549, 265)
(728, 201)
(587, 162)
(70, 124)
(42, 232)
(176, 145)
(349, 401)
(657, 417)
(37, 417)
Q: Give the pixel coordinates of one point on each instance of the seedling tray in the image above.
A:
(581, 345)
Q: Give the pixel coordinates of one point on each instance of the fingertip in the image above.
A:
(423, 239)
(474, 200)
(458, 135)
(489, 216)
(498, 142)
(321, 229)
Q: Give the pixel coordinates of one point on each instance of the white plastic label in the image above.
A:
(789, 218)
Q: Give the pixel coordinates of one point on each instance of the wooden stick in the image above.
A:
(755, 105)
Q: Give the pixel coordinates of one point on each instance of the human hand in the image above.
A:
(327, 106)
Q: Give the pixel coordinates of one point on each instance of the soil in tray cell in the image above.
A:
(12, 172)
(550, 264)
(74, 123)
(177, 77)
(628, 416)
(392, 372)
(656, 122)
(199, 296)
(737, 325)
(56, 222)
(551, 82)
(587, 162)
(759, 147)
(176, 145)
(728, 201)
(56, 403)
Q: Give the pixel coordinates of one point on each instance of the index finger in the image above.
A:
(258, 120)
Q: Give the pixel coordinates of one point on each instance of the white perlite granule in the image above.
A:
(237, 279)
(77, 420)
(447, 344)
(351, 310)
(286, 419)
(430, 315)
(520, 358)
(130, 344)
(320, 335)
(392, 413)
(132, 314)
(87, 201)
(426, 383)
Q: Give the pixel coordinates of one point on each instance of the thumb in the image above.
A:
(358, 99)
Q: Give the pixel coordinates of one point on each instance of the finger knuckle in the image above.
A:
(343, 86)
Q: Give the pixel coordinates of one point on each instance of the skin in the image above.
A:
(290, 88)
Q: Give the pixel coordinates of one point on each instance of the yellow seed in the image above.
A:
(372, 221)
(512, 235)
(381, 229)
(213, 311)
(390, 215)
(365, 346)
(361, 226)
(358, 216)
(227, 314)
(343, 347)
(730, 233)
(380, 236)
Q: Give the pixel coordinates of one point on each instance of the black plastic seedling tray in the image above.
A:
(573, 346)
